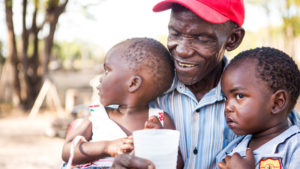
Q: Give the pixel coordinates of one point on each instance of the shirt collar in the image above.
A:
(270, 146)
(213, 95)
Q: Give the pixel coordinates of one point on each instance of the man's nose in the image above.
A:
(184, 48)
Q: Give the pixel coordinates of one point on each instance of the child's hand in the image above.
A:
(120, 146)
(153, 123)
(236, 161)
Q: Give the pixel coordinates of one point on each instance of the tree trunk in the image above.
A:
(27, 98)
(52, 15)
(28, 71)
(12, 49)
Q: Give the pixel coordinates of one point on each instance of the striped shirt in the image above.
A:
(202, 125)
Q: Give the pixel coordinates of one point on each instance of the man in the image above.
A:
(199, 33)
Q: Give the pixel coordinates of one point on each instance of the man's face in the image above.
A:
(197, 46)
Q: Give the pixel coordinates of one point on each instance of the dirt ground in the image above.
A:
(24, 143)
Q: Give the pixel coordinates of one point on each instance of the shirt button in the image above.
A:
(195, 150)
(198, 110)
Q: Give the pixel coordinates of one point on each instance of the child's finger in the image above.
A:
(227, 158)
(154, 119)
(148, 125)
(249, 155)
(222, 165)
(125, 148)
(128, 140)
(152, 125)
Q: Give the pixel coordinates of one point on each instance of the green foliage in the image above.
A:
(52, 3)
(295, 2)
(293, 22)
(9, 3)
(2, 59)
(77, 54)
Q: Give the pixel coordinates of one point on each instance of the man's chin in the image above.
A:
(186, 80)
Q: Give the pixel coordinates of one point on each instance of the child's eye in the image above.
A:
(239, 96)
(105, 70)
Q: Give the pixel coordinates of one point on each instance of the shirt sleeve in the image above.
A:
(295, 162)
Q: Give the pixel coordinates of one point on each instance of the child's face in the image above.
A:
(113, 84)
(248, 103)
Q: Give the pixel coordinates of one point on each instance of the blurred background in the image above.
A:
(51, 55)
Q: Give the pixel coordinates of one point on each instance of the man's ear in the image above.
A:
(235, 38)
(280, 101)
(135, 83)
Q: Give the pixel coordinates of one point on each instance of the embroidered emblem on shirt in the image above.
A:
(161, 116)
(270, 163)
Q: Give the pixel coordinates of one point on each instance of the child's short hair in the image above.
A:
(276, 68)
(143, 53)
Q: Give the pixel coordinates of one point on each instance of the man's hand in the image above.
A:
(153, 123)
(120, 146)
(236, 161)
(127, 161)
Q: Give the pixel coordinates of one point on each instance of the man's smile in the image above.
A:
(182, 64)
(186, 65)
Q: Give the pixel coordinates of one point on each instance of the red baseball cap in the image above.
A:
(214, 11)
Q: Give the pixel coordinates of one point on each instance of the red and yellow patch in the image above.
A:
(270, 163)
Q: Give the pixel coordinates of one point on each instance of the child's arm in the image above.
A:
(85, 152)
(236, 161)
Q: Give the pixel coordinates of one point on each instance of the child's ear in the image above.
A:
(280, 101)
(135, 82)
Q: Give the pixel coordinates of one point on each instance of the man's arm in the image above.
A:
(130, 161)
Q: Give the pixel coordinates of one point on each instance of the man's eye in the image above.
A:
(173, 33)
(203, 38)
(239, 96)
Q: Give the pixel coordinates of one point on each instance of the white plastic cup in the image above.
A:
(158, 145)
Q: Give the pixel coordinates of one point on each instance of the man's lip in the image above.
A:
(185, 64)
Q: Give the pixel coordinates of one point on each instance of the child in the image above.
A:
(136, 72)
(261, 86)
